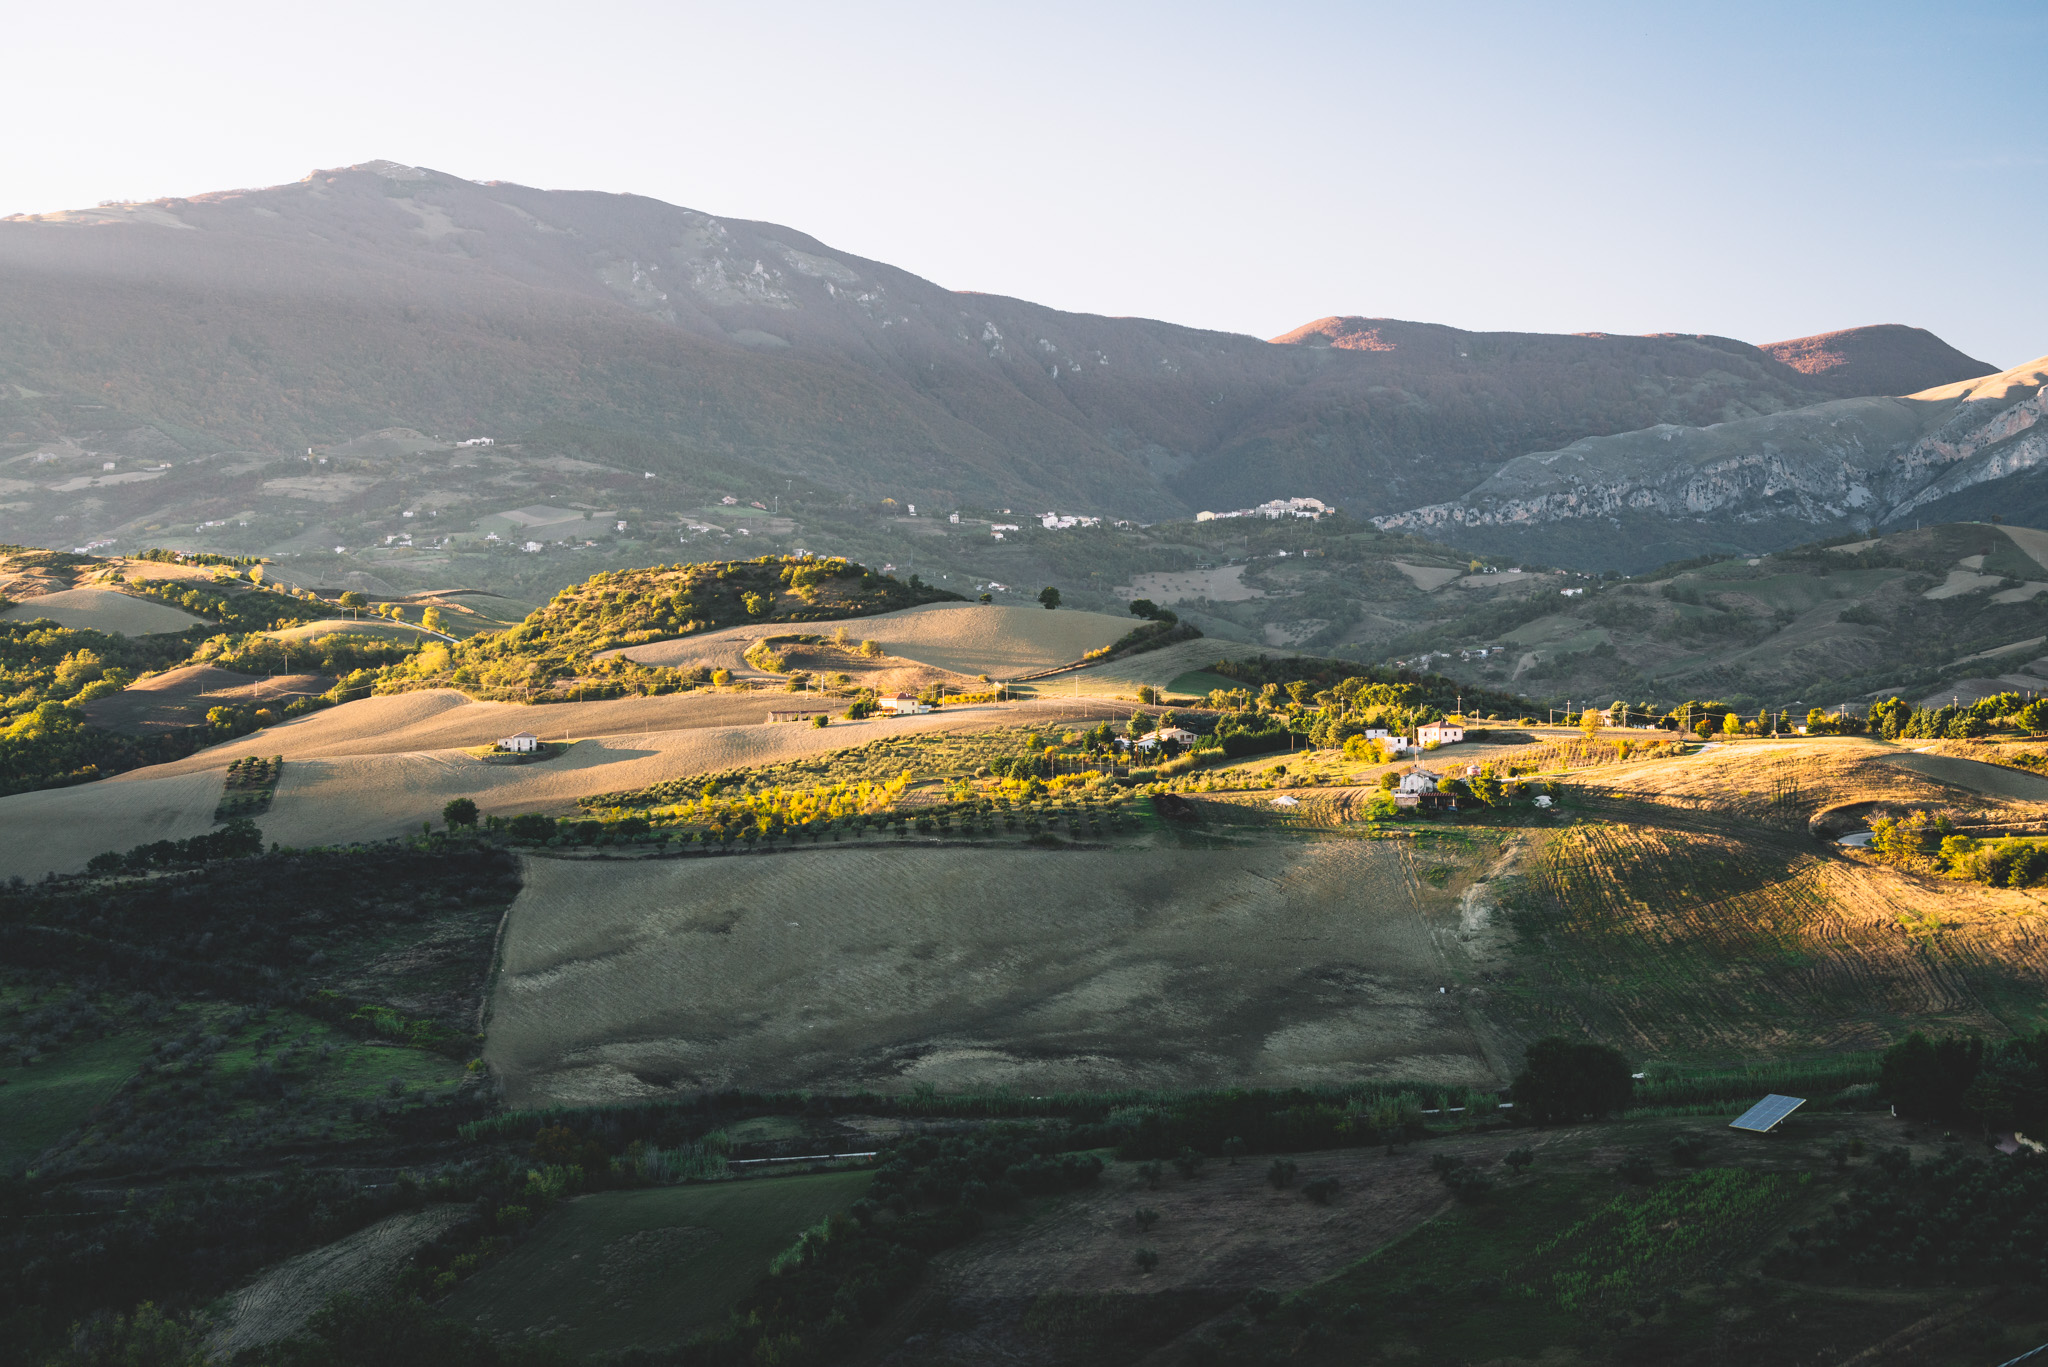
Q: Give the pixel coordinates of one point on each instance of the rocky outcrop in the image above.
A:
(1867, 461)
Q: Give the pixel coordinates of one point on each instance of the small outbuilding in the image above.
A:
(524, 743)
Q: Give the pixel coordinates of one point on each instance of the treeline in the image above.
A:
(236, 840)
(2011, 862)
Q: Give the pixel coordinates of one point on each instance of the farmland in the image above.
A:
(886, 968)
(90, 609)
(648, 1268)
(964, 639)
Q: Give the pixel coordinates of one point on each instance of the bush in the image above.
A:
(1321, 1190)
(1189, 1163)
(1144, 1217)
(1637, 1168)
(1281, 1174)
(530, 826)
(1144, 1259)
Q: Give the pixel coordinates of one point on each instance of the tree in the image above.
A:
(1049, 597)
(988, 598)
(1589, 722)
(1927, 1079)
(871, 650)
(1144, 607)
(460, 812)
(1565, 1079)
(1731, 725)
(145, 1338)
(353, 601)
(1139, 725)
(431, 619)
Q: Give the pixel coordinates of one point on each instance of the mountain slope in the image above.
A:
(1885, 359)
(384, 296)
(1757, 483)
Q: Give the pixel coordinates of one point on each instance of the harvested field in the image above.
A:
(179, 698)
(106, 610)
(58, 829)
(646, 1269)
(379, 628)
(885, 967)
(278, 1304)
(1427, 577)
(1724, 939)
(1156, 667)
(962, 638)
(371, 769)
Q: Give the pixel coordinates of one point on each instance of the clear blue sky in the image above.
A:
(1757, 170)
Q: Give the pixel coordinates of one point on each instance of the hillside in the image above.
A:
(563, 645)
(1884, 359)
(380, 313)
(1629, 500)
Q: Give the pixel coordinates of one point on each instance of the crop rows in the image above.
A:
(1688, 942)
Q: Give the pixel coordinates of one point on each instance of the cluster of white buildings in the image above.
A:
(1278, 507)
(1055, 522)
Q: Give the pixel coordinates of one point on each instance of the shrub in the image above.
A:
(1144, 1217)
(1281, 1174)
(1321, 1190)
(1144, 1259)
(1189, 1162)
(1637, 1168)
(1518, 1160)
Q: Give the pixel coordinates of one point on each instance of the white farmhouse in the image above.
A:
(902, 704)
(524, 743)
(1175, 734)
(1417, 780)
(1442, 732)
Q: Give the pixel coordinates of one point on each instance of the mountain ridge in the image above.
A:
(381, 296)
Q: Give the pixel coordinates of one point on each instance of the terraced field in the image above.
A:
(847, 967)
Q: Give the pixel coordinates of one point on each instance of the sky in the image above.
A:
(1759, 171)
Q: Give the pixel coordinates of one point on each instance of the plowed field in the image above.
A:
(884, 967)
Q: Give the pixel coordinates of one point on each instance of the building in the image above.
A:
(902, 704)
(1417, 780)
(1441, 732)
(1177, 735)
(525, 743)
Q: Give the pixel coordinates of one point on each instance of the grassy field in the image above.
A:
(848, 966)
(40, 1105)
(647, 1268)
(106, 610)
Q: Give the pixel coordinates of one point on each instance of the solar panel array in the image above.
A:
(1763, 1117)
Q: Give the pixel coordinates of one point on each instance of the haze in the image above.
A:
(1738, 170)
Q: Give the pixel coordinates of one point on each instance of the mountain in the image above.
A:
(726, 355)
(1634, 499)
(1885, 359)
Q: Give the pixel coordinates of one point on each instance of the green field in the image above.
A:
(647, 1268)
(40, 1105)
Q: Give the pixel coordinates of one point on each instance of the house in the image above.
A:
(1175, 734)
(902, 704)
(1442, 732)
(525, 743)
(1416, 780)
(1377, 733)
